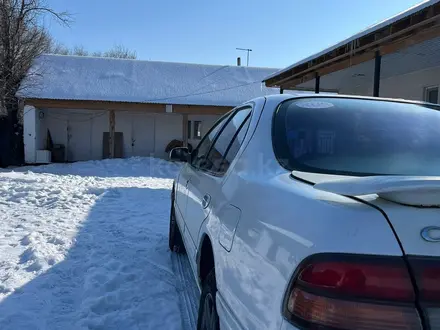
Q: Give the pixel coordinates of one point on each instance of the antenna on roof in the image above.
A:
(248, 50)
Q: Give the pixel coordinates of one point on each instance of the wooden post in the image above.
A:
(376, 80)
(185, 129)
(111, 136)
(317, 81)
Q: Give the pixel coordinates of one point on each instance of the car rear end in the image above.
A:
(418, 231)
(377, 138)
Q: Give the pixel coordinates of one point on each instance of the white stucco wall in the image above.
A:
(124, 124)
(138, 132)
(56, 122)
(81, 131)
(409, 86)
(99, 125)
(168, 127)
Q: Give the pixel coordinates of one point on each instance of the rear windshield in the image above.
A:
(357, 137)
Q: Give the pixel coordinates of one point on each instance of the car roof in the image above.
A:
(282, 97)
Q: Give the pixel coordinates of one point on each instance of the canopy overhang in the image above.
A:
(410, 41)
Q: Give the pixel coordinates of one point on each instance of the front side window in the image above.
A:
(357, 137)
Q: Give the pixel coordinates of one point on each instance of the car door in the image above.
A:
(181, 198)
(185, 196)
(208, 170)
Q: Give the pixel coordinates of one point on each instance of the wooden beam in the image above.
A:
(95, 105)
(337, 66)
(111, 136)
(410, 41)
(418, 32)
(144, 107)
(185, 129)
(200, 109)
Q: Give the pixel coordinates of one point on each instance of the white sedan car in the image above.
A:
(314, 212)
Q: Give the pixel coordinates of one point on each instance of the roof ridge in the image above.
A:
(154, 61)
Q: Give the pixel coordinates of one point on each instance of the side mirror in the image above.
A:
(179, 154)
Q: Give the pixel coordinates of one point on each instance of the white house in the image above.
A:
(96, 108)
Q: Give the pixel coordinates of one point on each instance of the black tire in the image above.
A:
(208, 317)
(175, 241)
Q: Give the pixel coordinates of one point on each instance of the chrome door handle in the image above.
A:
(206, 201)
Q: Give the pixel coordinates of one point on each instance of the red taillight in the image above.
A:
(427, 275)
(366, 280)
(352, 292)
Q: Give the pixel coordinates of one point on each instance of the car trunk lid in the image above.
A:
(406, 190)
(411, 204)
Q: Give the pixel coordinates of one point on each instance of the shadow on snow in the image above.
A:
(117, 275)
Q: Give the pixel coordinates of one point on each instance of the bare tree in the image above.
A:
(22, 39)
(80, 51)
(97, 54)
(58, 48)
(118, 51)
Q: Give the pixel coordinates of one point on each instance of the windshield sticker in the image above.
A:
(314, 104)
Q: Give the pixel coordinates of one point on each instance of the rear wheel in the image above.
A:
(175, 241)
(208, 317)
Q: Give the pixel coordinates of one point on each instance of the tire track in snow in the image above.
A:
(188, 291)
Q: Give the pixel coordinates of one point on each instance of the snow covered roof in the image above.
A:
(104, 79)
(365, 32)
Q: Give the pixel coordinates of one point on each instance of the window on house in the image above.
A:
(189, 129)
(197, 130)
(431, 94)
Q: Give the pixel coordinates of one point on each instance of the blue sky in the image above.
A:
(280, 32)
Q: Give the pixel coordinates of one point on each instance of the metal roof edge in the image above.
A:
(364, 32)
(136, 60)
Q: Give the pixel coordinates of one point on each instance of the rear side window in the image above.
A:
(201, 152)
(357, 137)
(235, 146)
(228, 143)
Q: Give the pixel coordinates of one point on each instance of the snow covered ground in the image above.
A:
(84, 246)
